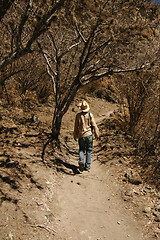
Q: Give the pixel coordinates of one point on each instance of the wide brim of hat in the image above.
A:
(85, 110)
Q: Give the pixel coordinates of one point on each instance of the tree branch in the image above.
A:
(40, 28)
(80, 34)
(74, 45)
(49, 68)
(110, 71)
(22, 23)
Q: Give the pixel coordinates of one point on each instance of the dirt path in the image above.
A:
(55, 201)
(90, 205)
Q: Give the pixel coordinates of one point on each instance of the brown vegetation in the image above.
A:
(50, 52)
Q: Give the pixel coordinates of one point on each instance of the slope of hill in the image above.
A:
(51, 199)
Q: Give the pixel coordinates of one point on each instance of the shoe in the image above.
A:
(87, 169)
(81, 166)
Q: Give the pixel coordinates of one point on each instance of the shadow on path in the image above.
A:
(60, 162)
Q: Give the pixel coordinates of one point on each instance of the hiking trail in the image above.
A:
(90, 206)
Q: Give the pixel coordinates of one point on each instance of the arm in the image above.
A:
(95, 127)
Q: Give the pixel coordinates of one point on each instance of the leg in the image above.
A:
(81, 142)
(89, 144)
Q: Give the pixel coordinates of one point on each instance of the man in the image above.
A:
(84, 128)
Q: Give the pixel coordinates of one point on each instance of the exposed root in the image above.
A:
(50, 230)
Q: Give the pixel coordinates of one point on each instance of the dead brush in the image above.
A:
(121, 117)
(43, 92)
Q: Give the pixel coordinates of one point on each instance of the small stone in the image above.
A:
(157, 219)
(129, 193)
(133, 177)
(49, 215)
(35, 118)
(158, 208)
(155, 213)
(121, 161)
(135, 192)
(147, 210)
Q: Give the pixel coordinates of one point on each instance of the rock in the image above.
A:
(129, 193)
(157, 219)
(49, 215)
(121, 161)
(133, 177)
(158, 195)
(135, 192)
(126, 198)
(157, 216)
(117, 153)
(155, 213)
(148, 188)
(34, 118)
(158, 208)
(147, 209)
(10, 235)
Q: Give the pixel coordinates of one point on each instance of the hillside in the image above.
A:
(53, 54)
(52, 200)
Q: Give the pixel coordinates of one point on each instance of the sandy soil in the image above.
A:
(90, 203)
(91, 208)
(53, 200)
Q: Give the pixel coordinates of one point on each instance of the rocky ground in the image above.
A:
(52, 199)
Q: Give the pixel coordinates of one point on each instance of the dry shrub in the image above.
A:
(121, 117)
(139, 98)
(30, 77)
(44, 91)
(102, 88)
(139, 116)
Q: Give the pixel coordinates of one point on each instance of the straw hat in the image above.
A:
(84, 106)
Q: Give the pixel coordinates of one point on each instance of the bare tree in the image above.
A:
(92, 42)
(21, 23)
(25, 22)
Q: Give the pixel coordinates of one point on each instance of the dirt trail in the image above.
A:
(91, 208)
(54, 200)
(90, 204)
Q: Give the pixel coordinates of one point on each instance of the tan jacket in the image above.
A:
(82, 126)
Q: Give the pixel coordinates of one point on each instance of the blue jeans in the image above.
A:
(85, 145)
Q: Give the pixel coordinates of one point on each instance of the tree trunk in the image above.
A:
(56, 125)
